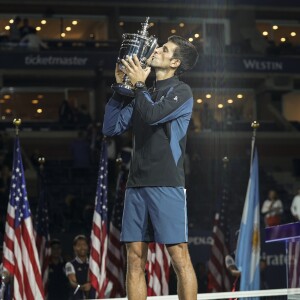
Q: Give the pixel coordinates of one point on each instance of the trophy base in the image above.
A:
(123, 89)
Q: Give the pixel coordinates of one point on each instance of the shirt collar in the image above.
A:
(80, 261)
(162, 84)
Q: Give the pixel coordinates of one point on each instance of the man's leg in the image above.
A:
(186, 278)
(136, 262)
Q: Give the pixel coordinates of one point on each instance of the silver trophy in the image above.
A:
(140, 44)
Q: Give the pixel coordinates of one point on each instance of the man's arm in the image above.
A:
(116, 118)
(231, 266)
(266, 207)
(279, 207)
(177, 102)
(71, 274)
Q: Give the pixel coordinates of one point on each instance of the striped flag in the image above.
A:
(98, 253)
(158, 270)
(218, 275)
(248, 247)
(20, 257)
(42, 236)
(116, 251)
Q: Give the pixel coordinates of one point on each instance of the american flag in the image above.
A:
(116, 250)
(218, 275)
(98, 253)
(158, 270)
(42, 236)
(20, 257)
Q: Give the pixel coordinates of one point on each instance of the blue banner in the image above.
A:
(107, 60)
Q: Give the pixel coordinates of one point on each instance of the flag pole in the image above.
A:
(41, 161)
(17, 123)
(255, 126)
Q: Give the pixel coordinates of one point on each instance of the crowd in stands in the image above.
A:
(22, 34)
(276, 212)
(216, 119)
(247, 40)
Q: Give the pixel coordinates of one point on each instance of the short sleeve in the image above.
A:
(69, 268)
(229, 261)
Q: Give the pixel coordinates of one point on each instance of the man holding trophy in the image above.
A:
(155, 199)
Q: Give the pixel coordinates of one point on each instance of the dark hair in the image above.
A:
(80, 237)
(55, 242)
(186, 52)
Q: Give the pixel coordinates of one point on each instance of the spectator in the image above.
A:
(14, 32)
(69, 211)
(26, 28)
(231, 265)
(33, 41)
(58, 286)
(272, 209)
(83, 117)
(77, 271)
(65, 113)
(229, 117)
(263, 278)
(295, 207)
(206, 117)
(94, 139)
(80, 149)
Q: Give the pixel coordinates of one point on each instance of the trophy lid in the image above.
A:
(145, 26)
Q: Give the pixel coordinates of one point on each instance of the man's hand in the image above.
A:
(86, 287)
(134, 70)
(119, 74)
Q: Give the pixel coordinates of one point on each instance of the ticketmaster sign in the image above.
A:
(58, 60)
(51, 60)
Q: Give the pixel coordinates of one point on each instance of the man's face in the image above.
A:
(272, 195)
(163, 57)
(81, 248)
(56, 250)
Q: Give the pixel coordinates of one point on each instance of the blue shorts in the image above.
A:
(155, 214)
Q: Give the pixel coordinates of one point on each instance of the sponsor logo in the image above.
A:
(201, 240)
(257, 65)
(37, 60)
